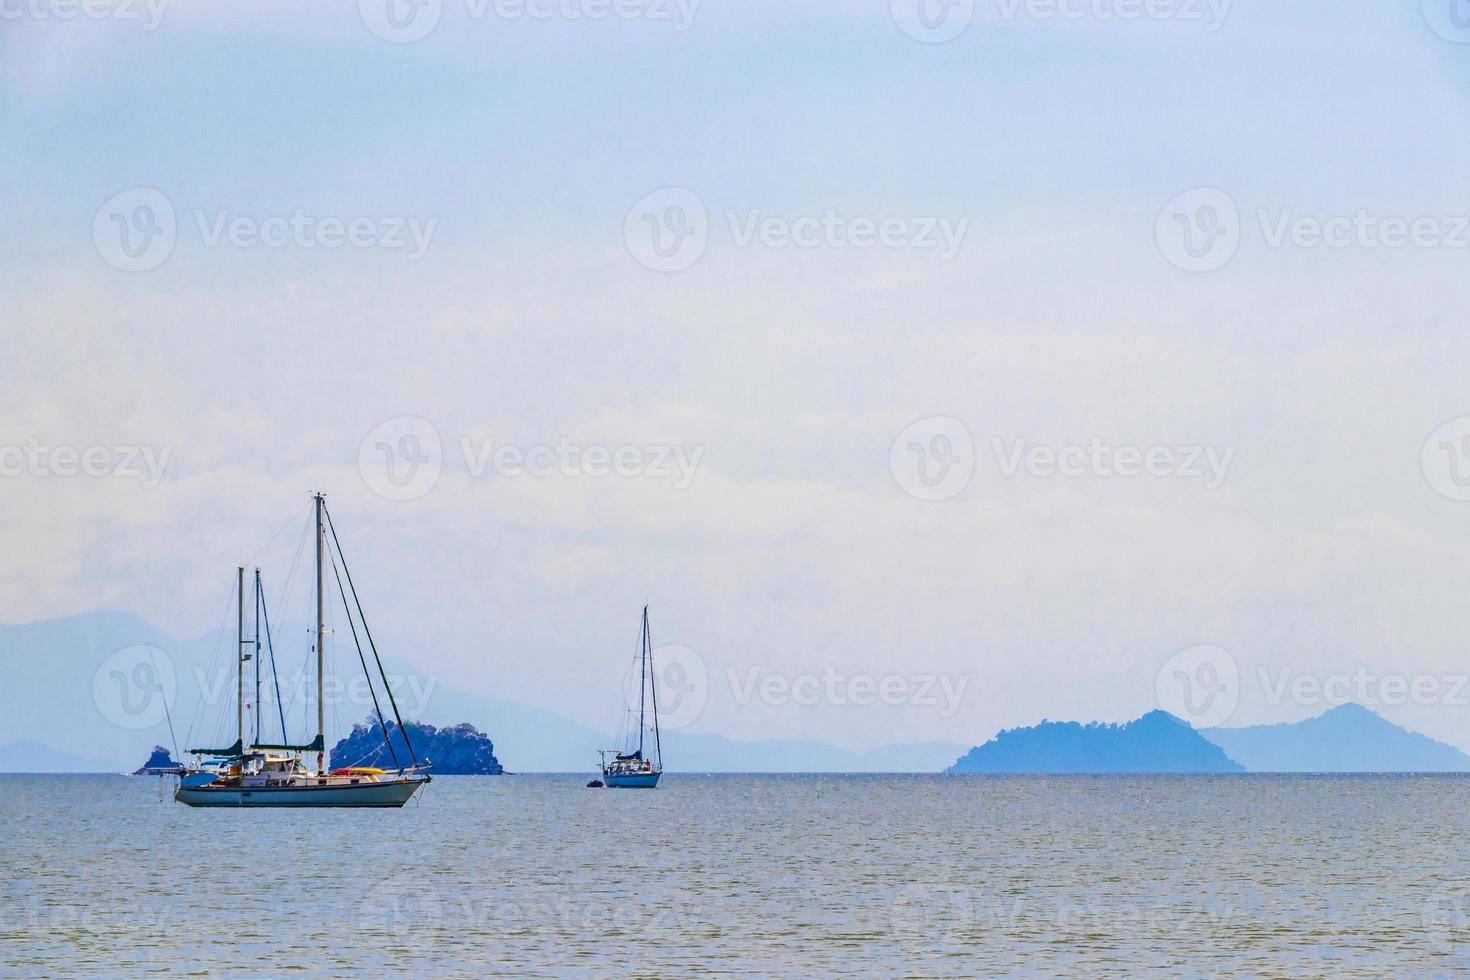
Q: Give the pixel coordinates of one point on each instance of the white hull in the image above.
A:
(389, 793)
(631, 780)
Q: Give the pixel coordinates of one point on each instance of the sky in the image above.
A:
(825, 329)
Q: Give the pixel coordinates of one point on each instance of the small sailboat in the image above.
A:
(633, 767)
(277, 774)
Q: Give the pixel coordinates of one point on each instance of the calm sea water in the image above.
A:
(749, 875)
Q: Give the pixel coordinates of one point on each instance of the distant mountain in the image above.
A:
(48, 705)
(1349, 738)
(715, 753)
(1156, 743)
(28, 756)
(459, 750)
(67, 707)
(160, 760)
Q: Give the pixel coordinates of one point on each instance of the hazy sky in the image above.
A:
(773, 237)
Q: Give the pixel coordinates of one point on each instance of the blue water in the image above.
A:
(749, 875)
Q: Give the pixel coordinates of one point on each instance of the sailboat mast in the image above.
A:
(642, 676)
(321, 713)
(257, 655)
(240, 654)
(658, 747)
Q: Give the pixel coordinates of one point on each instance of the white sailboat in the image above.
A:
(277, 775)
(634, 767)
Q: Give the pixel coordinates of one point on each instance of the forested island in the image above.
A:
(458, 750)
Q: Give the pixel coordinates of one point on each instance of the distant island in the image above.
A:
(458, 750)
(1156, 743)
(159, 763)
(1348, 738)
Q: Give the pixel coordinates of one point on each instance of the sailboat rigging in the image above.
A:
(634, 768)
(276, 774)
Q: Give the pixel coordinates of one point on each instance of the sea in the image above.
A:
(748, 875)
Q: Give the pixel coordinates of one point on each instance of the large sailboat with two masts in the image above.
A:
(282, 774)
(641, 760)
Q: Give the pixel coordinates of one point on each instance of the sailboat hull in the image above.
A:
(638, 780)
(385, 794)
